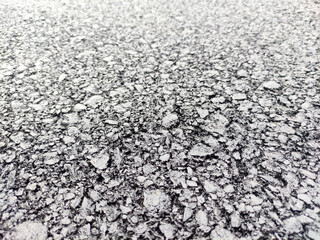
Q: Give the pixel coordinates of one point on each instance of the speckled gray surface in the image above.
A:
(159, 119)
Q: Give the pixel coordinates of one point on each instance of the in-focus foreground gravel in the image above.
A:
(160, 119)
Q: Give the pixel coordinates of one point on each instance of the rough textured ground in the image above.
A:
(159, 119)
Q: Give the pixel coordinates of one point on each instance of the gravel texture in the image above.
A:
(159, 119)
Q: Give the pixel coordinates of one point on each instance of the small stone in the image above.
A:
(108, 59)
(68, 140)
(177, 177)
(111, 122)
(304, 219)
(202, 218)
(134, 219)
(141, 178)
(218, 100)
(8, 158)
(242, 73)
(314, 144)
(29, 231)
(21, 68)
(5, 216)
(201, 150)
(16, 105)
(17, 138)
(94, 195)
(141, 228)
(209, 186)
(69, 196)
(49, 201)
(37, 107)
(187, 213)
(8, 73)
(271, 85)
(314, 234)
(169, 120)
(12, 200)
(112, 212)
(228, 207)
(191, 183)
(202, 112)
(148, 168)
(201, 200)
(239, 96)
(79, 107)
(296, 204)
(229, 188)
(119, 109)
(31, 186)
(139, 87)
(25, 145)
(235, 220)
(308, 174)
(85, 231)
(94, 100)
(72, 131)
(220, 233)
(113, 228)
(101, 161)
(62, 77)
(255, 200)
(306, 198)
(287, 129)
(236, 155)
(155, 200)
(65, 221)
(212, 142)
(167, 230)
(292, 225)
(283, 138)
(51, 161)
(117, 157)
(165, 157)
(147, 183)
(125, 209)
(218, 125)
(213, 73)
(72, 118)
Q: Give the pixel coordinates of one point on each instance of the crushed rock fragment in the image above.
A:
(29, 231)
(292, 225)
(167, 230)
(239, 96)
(101, 160)
(155, 200)
(200, 150)
(169, 120)
(94, 100)
(202, 112)
(202, 218)
(79, 107)
(272, 85)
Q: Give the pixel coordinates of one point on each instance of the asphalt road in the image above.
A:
(159, 119)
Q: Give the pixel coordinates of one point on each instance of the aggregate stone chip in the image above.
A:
(169, 120)
(101, 161)
(159, 119)
(271, 85)
(155, 200)
(28, 231)
(200, 150)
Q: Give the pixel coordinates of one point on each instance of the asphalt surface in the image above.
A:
(159, 119)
